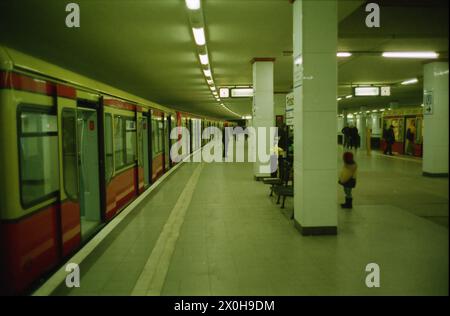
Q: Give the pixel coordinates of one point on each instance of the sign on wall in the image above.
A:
(428, 102)
(290, 109)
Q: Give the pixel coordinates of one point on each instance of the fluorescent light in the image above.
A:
(207, 72)
(382, 110)
(367, 111)
(339, 99)
(349, 96)
(411, 54)
(373, 111)
(193, 4)
(213, 89)
(343, 54)
(204, 60)
(199, 36)
(421, 105)
(410, 81)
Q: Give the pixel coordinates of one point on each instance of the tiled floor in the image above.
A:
(236, 241)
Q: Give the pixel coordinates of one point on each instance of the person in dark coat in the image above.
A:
(390, 139)
(346, 133)
(347, 178)
(353, 137)
(283, 143)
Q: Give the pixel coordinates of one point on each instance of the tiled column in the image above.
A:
(362, 128)
(263, 105)
(435, 119)
(345, 117)
(315, 110)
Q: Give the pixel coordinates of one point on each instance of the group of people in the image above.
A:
(351, 137)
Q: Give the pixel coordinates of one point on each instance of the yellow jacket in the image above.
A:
(348, 172)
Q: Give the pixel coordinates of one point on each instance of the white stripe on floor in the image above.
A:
(59, 277)
(152, 277)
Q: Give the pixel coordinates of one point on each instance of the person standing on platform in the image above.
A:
(390, 139)
(283, 145)
(410, 134)
(353, 131)
(347, 178)
(346, 135)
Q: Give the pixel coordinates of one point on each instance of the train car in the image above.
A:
(403, 119)
(74, 153)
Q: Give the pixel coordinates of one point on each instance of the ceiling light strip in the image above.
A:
(197, 24)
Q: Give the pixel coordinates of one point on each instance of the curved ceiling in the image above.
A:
(146, 46)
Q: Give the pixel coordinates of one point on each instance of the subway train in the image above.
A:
(402, 120)
(73, 153)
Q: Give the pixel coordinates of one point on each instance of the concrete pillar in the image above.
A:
(435, 119)
(362, 128)
(345, 117)
(376, 126)
(263, 105)
(315, 110)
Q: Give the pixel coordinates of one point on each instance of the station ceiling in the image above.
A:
(146, 47)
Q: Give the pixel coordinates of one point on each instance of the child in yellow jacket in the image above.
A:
(347, 178)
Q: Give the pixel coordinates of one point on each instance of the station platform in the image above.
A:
(210, 229)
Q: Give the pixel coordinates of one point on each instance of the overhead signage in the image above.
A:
(385, 91)
(241, 92)
(366, 91)
(224, 92)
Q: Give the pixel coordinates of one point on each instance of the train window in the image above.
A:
(119, 135)
(130, 141)
(38, 151)
(157, 136)
(109, 154)
(69, 152)
(161, 136)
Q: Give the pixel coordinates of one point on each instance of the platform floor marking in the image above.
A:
(59, 276)
(152, 277)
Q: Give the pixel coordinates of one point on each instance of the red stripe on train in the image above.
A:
(120, 104)
(120, 191)
(12, 80)
(66, 91)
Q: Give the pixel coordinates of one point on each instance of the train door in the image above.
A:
(88, 170)
(410, 129)
(191, 135)
(167, 143)
(144, 148)
(69, 193)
